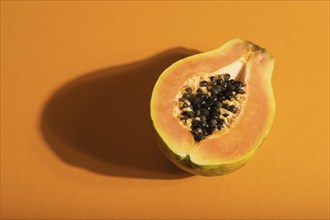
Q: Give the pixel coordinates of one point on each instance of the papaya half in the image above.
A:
(211, 111)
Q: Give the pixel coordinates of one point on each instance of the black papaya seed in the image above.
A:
(226, 76)
(203, 83)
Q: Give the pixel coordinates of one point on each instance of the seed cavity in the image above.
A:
(209, 104)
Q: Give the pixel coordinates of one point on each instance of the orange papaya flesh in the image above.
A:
(230, 148)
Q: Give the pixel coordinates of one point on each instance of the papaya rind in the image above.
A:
(189, 166)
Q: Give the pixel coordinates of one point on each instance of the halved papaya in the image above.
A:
(211, 111)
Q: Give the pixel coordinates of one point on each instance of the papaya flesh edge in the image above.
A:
(228, 150)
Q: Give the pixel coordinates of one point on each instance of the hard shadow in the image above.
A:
(101, 121)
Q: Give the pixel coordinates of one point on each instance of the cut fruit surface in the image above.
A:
(227, 146)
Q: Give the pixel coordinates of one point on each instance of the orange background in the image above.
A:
(76, 79)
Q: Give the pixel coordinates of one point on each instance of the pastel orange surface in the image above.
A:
(72, 74)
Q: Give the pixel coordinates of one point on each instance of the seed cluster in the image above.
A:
(202, 106)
